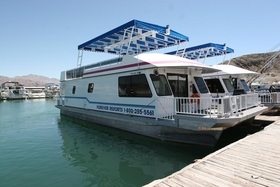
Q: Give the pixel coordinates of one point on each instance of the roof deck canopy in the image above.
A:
(203, 51)
(133, 38)
(227, 69)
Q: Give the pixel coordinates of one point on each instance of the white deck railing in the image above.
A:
(207, 106)
(269, 97)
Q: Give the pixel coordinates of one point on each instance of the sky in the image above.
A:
(42, 36)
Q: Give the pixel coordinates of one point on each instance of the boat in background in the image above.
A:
(51, 90)
(35, 92)
(12, 90)
(151, 94)
(270, 97)
(229, 82)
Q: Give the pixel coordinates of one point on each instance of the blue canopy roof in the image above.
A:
(134, 37)
(203, 51)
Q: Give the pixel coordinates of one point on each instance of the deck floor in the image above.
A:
(251, 161)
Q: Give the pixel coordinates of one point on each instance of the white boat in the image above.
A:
(150, 94)
(270, 97)
(230, 81)
(52, 90)
(12, 90)
(35, 92)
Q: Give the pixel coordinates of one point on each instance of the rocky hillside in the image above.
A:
(255, 62)
(30, 80)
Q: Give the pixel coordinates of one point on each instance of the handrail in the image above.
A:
(205, 106)
(269, 97)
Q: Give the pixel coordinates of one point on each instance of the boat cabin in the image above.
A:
(229, 81)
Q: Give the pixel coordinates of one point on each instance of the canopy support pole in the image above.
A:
(80, 57)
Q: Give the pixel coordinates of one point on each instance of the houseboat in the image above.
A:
(270, 96)
(230, 81)
(151, 94)
(35, 92)
(52, 90)
(12, 90)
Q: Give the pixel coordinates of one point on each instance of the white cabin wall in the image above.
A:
(63, 76)
(105, 92)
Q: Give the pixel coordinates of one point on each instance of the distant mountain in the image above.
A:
(255, 62)
(30, 80)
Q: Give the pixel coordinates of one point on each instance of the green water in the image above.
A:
(38, 147)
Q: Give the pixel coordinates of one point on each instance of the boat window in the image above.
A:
(214, 85)
(245, 85)
(201, 85)
(75, 73)
(178, 83)
(134, 86)
(161, 85)
(229, 85)
(90, 87)
(73, 89)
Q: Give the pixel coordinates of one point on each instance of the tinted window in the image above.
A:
(134, 86)
(201, 85)
(244, 84)
(214, 86)
(229, 85)
(160, 84)
(73, 89)
(90, 87)
(178, 83)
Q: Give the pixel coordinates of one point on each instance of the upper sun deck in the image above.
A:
(133, 38)
(203, 51)
(213, 50)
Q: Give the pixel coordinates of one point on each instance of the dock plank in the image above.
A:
(251, 161)
(246, 169)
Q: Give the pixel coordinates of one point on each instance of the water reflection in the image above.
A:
(110, 157)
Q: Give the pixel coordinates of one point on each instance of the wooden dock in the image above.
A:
(251, 161)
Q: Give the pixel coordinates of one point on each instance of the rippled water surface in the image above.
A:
(38, 147)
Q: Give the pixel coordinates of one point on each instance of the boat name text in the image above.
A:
(127, 110)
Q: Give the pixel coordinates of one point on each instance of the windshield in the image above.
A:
(161, 85)
(214, 85)
(244, 84)
(201, 85)
(228, 84)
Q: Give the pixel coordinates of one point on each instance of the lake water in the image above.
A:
(38, 147)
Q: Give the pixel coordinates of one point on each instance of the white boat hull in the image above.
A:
(161, 129)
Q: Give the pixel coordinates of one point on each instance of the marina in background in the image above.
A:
(12, 90)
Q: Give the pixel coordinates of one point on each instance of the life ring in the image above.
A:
(195, 95)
